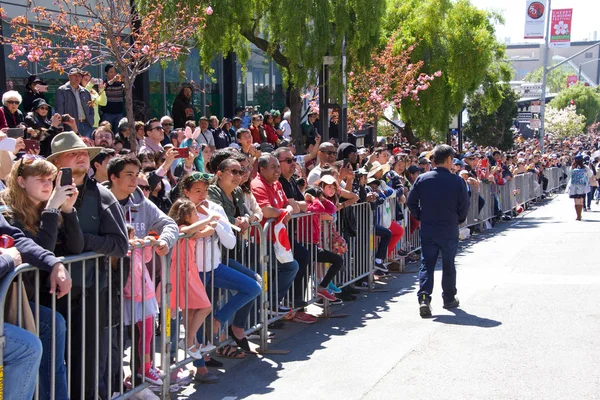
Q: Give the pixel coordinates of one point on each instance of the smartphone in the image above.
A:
(182, 152)
(97, 81)
(42, 88)
(15, 133)
(31, 144)
(484, 163)
(67, 177)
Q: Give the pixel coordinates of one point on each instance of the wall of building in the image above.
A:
(217, 94)
(529, 57)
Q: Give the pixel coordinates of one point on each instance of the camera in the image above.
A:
(66, 118)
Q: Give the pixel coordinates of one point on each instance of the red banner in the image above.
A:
(560, 27)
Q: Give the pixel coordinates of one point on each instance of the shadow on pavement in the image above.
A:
(462, 317)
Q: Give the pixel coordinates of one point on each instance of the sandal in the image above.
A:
(242, 343)
(229, 351)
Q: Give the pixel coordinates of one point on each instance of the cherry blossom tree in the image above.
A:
(80, 33)
(390, 78)
(563, 123)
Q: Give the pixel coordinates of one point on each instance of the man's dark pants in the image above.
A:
(430, 249)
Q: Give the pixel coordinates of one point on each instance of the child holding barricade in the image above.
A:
(145, 306)
(190, 288)
(322, 210)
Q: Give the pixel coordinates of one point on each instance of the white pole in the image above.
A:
(544, 79)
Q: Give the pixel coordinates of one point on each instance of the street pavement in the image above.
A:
(528, 328)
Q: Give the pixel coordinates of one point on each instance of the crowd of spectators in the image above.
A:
(211, 180)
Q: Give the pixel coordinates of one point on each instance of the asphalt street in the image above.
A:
(528, 328)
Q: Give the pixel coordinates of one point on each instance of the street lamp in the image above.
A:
(580, 64)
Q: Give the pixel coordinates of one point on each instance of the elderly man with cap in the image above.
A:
(73, 99)
(439, 200)
(104, 232)
(327, 155)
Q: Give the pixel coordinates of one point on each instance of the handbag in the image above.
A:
(386, 215)
(11, 310)
(338, 243)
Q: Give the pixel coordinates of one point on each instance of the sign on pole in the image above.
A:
(524, 116)
(571, 80)
(534, 19)
(560, 28)
(535, 124)
(535, 107)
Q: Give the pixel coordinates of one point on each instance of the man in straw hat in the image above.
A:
(439, 200)
(104, 232)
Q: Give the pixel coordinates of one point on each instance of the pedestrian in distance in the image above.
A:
(439, 200)
(579, 184)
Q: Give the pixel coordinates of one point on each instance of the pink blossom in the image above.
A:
(32, 58)
(437, 73)
(209, 10)
(18, 50)
(145, 49)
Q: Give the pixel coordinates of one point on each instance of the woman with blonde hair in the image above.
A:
(48, 216)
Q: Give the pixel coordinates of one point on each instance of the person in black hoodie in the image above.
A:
(183, 110)
(43, 129)
(103, 225)
(48, 217)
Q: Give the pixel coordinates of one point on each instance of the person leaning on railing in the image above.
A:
(48, 217)
(213, 272)
(23, 351)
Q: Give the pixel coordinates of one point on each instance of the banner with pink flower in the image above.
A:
(560, 27)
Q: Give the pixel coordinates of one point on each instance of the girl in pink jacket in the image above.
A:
(145, 306)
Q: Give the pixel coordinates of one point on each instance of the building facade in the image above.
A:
(219, 93)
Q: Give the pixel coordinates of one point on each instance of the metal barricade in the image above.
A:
(90, 323)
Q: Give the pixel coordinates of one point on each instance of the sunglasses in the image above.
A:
(27, 159)
(288, 160)
(200, 176)
(158, 127)
(13, 102)
(167, 124)
(236, 172)
(145, 187)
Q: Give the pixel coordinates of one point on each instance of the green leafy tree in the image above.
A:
(556, 79)
(586, 99)
(453, 37)
(492, 127)
(297, 34)
(563, 123)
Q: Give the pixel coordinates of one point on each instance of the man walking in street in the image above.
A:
(439, 200)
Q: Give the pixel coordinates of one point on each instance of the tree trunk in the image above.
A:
(127, 83)
(295, 120)
(409, 135)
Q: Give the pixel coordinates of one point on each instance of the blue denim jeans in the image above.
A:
(113, 119)
(85, 129)
(244, 284)
(60, 370)
(22, 356)
(385, 235)
(430, 249)
(286, 272)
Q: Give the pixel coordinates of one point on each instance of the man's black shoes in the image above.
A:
(451, 304)
(425, 307)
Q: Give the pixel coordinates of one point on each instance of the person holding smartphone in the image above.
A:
(34, 89)
(46, 215)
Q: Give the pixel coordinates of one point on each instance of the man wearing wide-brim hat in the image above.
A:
(103, 225)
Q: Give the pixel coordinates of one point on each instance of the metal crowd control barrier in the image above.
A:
(93, 340)
(99, 354)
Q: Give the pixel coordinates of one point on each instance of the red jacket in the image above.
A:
(312, 234)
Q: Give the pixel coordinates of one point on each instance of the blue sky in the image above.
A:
(585, 17)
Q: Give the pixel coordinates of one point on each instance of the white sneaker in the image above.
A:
(145, 394)
(207, 348)
(192, 351)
